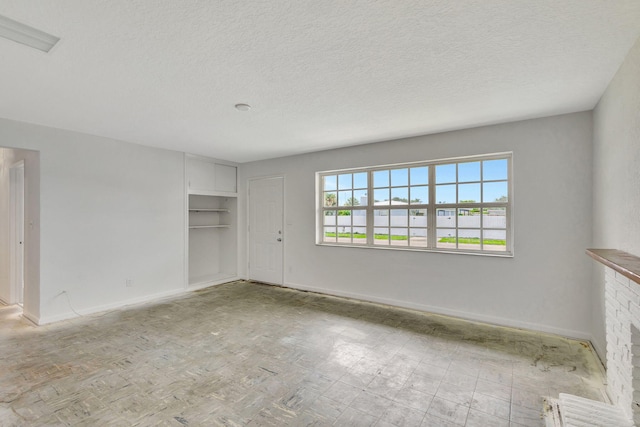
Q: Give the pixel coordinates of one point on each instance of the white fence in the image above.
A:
(396, 224)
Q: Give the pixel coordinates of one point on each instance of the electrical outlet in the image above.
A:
(129, 283)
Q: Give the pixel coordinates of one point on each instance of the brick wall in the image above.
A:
(622, 301)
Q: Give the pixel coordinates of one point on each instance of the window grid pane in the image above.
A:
(359, 223)
(344, 226)
(419, 175)
(400, 196)
(494, 240)
(419, 195)
(329, 234)
(471, 213)
(446, 238)
(345, 181)
(360, 180)
(399, 177)
(381, 178)
(381, 236)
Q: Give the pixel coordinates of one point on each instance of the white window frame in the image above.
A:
(431, 206)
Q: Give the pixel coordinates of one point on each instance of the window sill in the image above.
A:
(437, 251)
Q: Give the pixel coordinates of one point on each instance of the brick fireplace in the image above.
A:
(622, 316)
(623, 342)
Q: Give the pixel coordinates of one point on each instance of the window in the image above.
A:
(454, 205)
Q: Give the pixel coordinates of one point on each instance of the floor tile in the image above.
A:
(490, 372)
(427, 369)
(460, 379)
(414, 399)
(449, 411)
(342, 392)
(527, 398)
(425, 384)
(435, 421)
(480, 419)
(246, 354)
(386, 386)
(527, 416)
(357, 380)
(455, 393)
(489, 388)
(399, 415)
(268, 416)
(539, 384)
(353, 417)
(371, 404)
(491, 405)
(383, 423)
(465, 366)
(327, 408)
(440, 360)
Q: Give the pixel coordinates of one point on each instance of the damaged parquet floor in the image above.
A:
(248, 354)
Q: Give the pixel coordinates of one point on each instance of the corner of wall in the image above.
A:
(615, 148)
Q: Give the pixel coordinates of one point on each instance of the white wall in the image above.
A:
(545, 286)
(616, 175)
(8, 157)
(109, 211)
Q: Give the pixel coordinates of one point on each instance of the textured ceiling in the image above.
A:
(318, 74)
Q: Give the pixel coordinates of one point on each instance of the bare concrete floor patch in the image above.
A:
(249, 354)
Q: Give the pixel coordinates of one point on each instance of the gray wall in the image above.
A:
(109, 211)
(544, 287)
(616, 176)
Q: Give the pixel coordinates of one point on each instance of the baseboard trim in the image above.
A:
(116, 305)
(601, 354)
(31, 318)
(491, 320)
(199, 286)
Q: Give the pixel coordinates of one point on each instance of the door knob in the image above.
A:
(279, 239)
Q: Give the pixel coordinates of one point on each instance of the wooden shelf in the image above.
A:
(212, 239)
(623, 262)
(198, 192)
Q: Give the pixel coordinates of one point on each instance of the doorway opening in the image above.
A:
(16, 220)
(20, 232)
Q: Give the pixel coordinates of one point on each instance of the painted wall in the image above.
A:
(109, 211)
(544, 287)
(9, 157)
(616, 176)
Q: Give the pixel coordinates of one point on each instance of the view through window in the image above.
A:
(453, 205)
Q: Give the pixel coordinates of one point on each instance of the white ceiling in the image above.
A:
(318, 74)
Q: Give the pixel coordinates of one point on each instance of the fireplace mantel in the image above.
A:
(623, 262)
(622, 329)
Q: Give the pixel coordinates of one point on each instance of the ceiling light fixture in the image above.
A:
(243, 107)
(26, 35)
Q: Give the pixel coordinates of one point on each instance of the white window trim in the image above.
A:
(431, 206)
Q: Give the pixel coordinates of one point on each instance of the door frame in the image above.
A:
(284, 222)
(16, 220)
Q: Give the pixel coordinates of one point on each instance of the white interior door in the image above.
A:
(266, 239)
(16, 180)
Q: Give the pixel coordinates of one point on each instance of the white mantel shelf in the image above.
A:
(623, 262)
